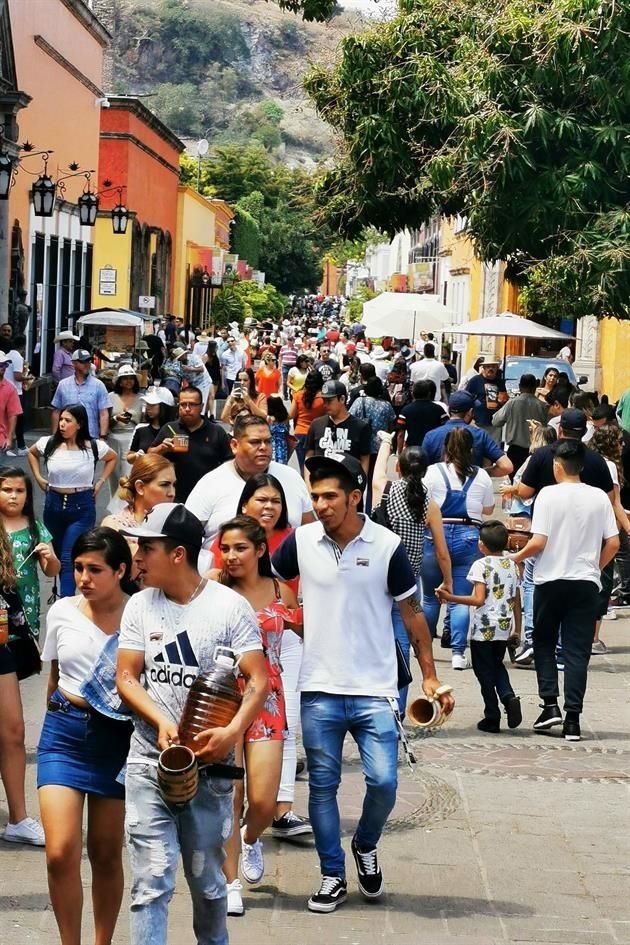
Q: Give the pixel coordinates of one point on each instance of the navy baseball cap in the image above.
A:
(573, 419)
(461, 402)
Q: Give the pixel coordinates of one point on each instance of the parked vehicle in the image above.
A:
(516, 366)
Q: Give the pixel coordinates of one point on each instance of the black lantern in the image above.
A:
(88, 208)
(6, 175)
(120, 218)
(43, 193)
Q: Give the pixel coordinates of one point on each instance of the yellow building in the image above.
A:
(203, 239)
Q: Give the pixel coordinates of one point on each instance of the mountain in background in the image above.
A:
(227, 69)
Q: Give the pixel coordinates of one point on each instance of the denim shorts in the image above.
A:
(82, 749)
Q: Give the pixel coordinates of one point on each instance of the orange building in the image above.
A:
(139, 152)
(59, 47)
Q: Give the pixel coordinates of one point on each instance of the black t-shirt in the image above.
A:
(143, 437)
(208, 447)
(625, 464)
(418, 418)
(539, 470)
(351, 436)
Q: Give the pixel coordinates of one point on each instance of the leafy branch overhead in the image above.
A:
(515, 115)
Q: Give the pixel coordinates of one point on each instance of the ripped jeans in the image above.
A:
(156, 834)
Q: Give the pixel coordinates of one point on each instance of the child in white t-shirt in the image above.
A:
(497, 622)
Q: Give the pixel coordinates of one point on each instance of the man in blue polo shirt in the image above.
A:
(460, 407)
(351, 571)
(83, 388)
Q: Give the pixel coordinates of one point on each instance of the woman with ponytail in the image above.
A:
(463, 493)
(404, 506)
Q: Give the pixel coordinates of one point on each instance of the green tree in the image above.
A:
(246, 239)
(515, 115)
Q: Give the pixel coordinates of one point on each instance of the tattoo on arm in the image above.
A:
(250, 690)
(414, 604)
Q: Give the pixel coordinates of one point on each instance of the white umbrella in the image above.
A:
(111, 318)
(404, 315)
(506, 325)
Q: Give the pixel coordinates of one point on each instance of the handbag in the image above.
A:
(519, 533)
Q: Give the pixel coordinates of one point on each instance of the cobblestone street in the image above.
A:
(515, 837)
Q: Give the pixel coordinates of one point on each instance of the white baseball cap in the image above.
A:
(159, 395)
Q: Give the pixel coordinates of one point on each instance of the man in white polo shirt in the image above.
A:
(351, 570)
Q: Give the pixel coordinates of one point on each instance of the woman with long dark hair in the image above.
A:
(20, 828)
(296, 378)
(463, 492)
(405, 506)
(70, 458)
(85, 738)
(246, 568)
(244, 398)
(30, 540)
(306, 406)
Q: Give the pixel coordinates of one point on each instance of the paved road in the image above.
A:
(509, 838)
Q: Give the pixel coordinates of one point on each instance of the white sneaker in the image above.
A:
(22, 452)
(234, 899)
(609, 615)
(252, 860)
(459, 661)
(26, 831)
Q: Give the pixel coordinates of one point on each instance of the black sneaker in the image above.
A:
(489, 725)
(368, 872)
(445, 640)
(550, 716)
(290, 825)
(332, 892)
(513, 712)
(571, 730)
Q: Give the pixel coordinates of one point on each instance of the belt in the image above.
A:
(70, 490)
(232, 772)
(54, 706)
(461, 521)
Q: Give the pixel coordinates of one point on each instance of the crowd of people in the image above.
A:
(321, 573)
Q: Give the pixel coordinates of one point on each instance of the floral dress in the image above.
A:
(270, 724)
(27, 576)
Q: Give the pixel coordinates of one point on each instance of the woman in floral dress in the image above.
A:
(247, 570)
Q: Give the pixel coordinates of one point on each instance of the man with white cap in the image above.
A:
(62, 361)
(83, 388)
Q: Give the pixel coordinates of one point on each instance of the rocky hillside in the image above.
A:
(227, 69)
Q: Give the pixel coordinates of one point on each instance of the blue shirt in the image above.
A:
(484, 446)
(92, 394)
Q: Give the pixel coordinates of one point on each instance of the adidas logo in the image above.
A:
(178, 652)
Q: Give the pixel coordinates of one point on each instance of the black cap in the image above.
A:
(170, 520)
(332, 389)
(339, 464)
(573, 419)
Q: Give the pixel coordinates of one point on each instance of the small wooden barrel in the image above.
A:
(425, 713)
(177, 774)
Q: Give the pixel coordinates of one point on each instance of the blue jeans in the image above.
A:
(66, 517)
(326, 719)
(156, 834)
(462, 542)
(300, 449)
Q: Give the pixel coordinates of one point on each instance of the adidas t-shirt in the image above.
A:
(178, 642)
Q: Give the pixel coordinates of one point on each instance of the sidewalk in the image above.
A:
(509, 838)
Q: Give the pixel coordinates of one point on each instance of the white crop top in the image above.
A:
(66, 469)
(74, 641)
